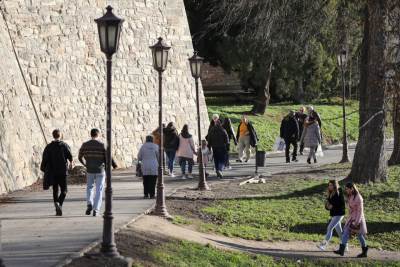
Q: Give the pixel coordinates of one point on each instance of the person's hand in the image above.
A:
(329, 206)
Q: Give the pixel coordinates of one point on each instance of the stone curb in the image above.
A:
(89, 247)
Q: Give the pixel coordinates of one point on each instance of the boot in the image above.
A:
(89, 209)
(309, 161)
(341, 250)
(322, 245)
(58, 209)
(364, 252)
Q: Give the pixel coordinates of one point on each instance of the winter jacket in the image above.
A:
(218, 137)
(311, 136)
(149, 158)
(94, 154)
(356, 213)
(338, 204)
(252, 133)
(301, 118)
(289, 128)
(186, 147)
(171, 139)
(55, 162)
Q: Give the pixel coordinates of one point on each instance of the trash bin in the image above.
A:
(260, 158)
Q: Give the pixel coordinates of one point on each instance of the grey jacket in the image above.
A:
(148, 156)
(311, 135)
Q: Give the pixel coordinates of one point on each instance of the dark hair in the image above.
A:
(170, 125)
(94, 132)
(335, 185)
(149, 139)
(227, 123)
(352, 186)
(56, 134)
(185, 129)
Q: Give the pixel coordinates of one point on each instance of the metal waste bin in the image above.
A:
(260, 158)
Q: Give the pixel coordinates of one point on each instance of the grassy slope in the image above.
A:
(267, 126)
(185, 254)
(296, 212)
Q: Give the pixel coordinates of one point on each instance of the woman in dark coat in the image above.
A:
(337, 209)
(171, 144)
(227, 125)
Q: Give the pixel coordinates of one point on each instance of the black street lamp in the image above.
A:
(342, 60)
(109, 27)
(160, 60)
(196, 63)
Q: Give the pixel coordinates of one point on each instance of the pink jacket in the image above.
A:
(186, 147)
(356, 213)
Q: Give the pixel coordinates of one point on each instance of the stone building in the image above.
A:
(53, 76)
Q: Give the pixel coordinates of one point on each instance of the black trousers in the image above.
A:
(60, 182)
(289, 142)
(228, 148)
(149, 185)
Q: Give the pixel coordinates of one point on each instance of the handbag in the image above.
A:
(139, 172)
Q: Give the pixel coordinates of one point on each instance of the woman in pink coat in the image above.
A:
(355, 223)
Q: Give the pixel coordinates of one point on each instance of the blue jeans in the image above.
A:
(171, 159)
(219, 157)
(182, 163)
(335, 223)
(95, 200)
(346, 236)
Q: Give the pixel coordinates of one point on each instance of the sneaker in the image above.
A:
(322, 245)
(239, 160)
(287, 160)
(219, 174)
(229, 167)
(295, 159)
(89, 209)
(301, 153)
(58, 209)
(246, 160)
(184, 177)
(309, 161)
(190, 176)
(347, 248)
(94, 213)
(315, 160)
(171, 174)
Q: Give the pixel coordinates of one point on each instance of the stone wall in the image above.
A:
(57, 45)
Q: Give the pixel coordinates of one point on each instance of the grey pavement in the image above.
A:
(32, 236)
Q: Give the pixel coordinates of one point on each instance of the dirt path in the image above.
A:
(292, 249)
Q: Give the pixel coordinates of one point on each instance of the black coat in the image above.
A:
(289, 128)
(217, 137)
(171, 139)
(338, 204)
(231, 134)
(253, 134)
(55, 162)
(301, 118)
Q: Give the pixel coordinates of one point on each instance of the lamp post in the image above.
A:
(342, 60)
(196, 63)
(109, 27)
(160, 60)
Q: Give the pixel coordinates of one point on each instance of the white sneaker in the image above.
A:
(184, 177)
(229, 168)
(172, 174)
(347, 247)
(190, 176)
(322, 245)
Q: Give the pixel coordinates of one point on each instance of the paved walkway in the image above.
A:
(33, 236)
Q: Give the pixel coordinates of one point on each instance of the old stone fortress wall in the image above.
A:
(57, 45)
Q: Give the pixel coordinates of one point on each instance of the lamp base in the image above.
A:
(111, 261)
(109, 251)
(161, 212)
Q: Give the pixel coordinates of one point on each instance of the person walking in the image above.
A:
(148, 157)
(355, 223)
(247, 137)
(218, 140)
(55, 167)
(186, 152)
(313, 113)
(206, 153)
(301, 118)
(92, 155)
(336, 206)
(311, 137)
(227, 125)
(171, 145)
(290, 133)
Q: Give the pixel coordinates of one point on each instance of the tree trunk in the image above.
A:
(370, 164)
(395, 158)
(299, 94)
(263, 96)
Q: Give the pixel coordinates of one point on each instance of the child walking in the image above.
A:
(206, 154)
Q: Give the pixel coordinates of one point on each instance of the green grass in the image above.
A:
(187, 254)
(297, 212)
(267, 125)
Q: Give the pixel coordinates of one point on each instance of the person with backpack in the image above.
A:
(337, 209)
(92, 155)
(289, 132)
(56, 156)
(171, 145)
